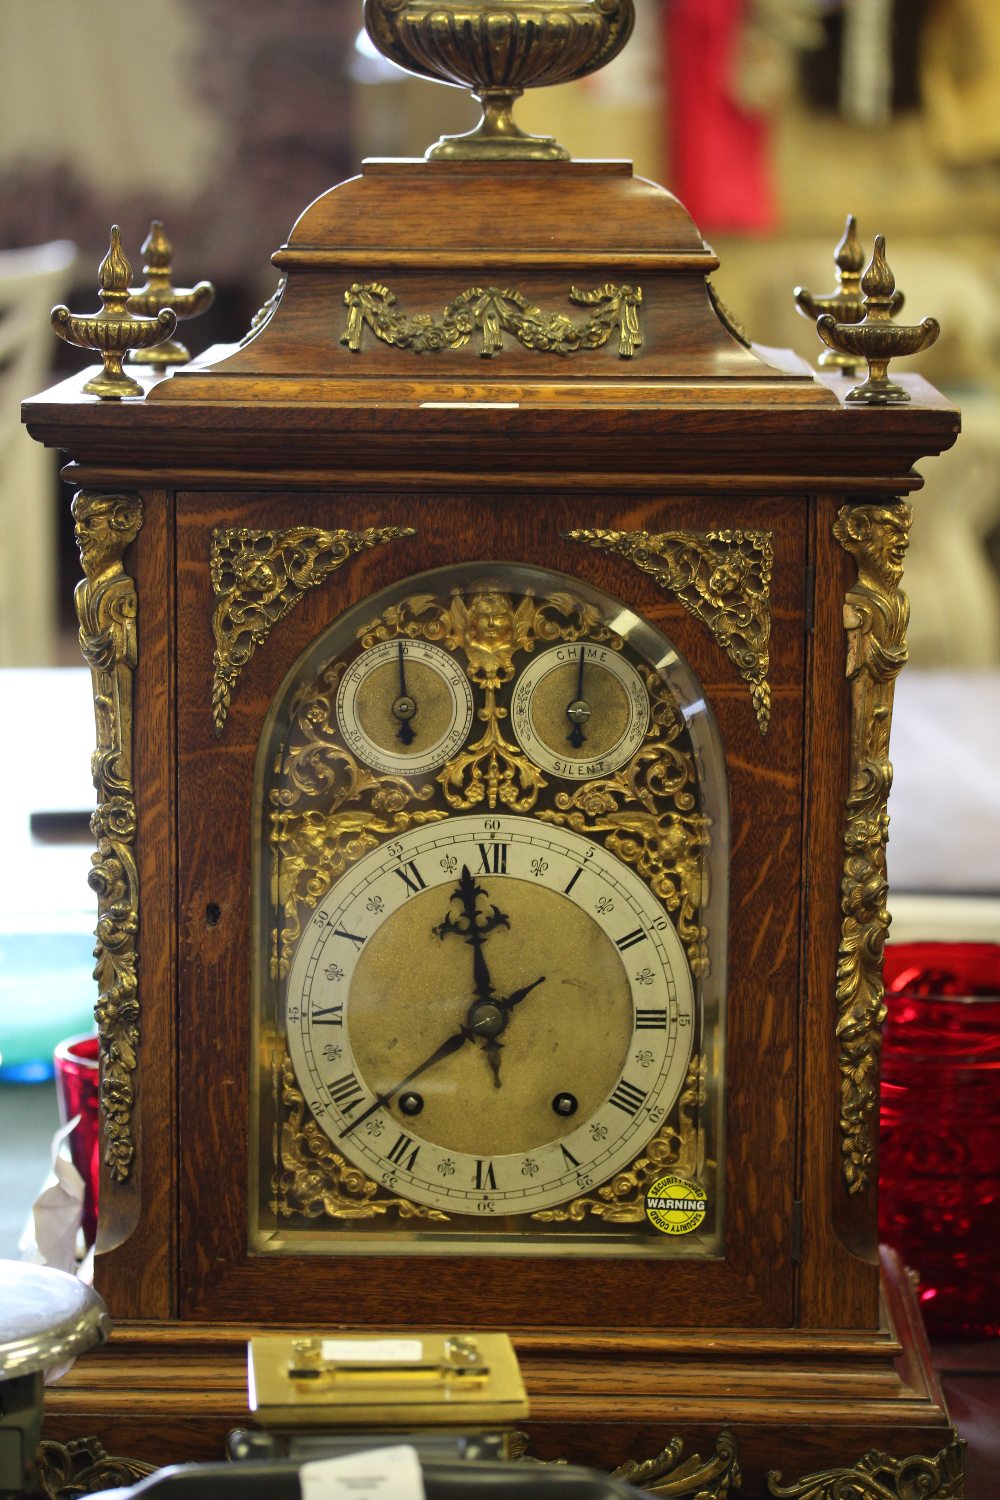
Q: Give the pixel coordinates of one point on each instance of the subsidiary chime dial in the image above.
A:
(404, 706)
(580, 710)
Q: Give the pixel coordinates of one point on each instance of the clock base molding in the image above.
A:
(797, 1403)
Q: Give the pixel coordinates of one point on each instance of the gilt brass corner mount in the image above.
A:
(114, 330)
(258, 577)
(496, 51)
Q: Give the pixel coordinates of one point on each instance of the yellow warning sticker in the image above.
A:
(674, 1206)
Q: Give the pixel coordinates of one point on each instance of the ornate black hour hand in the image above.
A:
(578, 710)
(475, 927)
(404, 707)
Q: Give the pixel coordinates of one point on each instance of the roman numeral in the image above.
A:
(346, 1093)
(650, 1020)
(328, 1015)
(627, 1097)
(630, 939)
(485, 1175)
(493, 859)
(568, 1156)
(572, 881)
(352, 937)
(413, 881)
(399, 1151)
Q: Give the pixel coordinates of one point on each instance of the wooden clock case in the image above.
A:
(793, 1340)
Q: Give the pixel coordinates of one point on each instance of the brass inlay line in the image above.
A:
(258, 577)
(490, 312)
(723, 578)
(106, 605)
(876, 612)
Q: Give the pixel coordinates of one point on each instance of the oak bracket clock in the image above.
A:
(493, 658)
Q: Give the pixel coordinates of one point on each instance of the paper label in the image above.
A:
(373, 1351)
(381, 1474)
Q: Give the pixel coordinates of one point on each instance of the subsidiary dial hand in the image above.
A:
(404, 707)
(578, 711)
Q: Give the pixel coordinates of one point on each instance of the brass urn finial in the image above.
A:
(846, 302)
(876, 339)
(497, 49)
(159, 292)
(113, 331)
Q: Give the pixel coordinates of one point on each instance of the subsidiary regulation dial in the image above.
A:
(580, 710)
(404, 706)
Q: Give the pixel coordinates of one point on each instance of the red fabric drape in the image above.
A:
(719, 152)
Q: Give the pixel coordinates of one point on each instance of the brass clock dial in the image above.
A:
(404, 706)
(580, 710)
(491, 1016)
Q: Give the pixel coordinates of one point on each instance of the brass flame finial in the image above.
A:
(497, 49)
(876, 339)
(846, 302)
(113, 331)
(159, 292)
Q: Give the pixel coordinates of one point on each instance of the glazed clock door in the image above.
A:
(491, 894)
(499, 1000)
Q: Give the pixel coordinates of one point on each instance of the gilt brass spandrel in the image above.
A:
(488, 314)
(722, 578)
(259, 576)
(876, 613)
(311, 1179)
(677, 1146)
(106, 605)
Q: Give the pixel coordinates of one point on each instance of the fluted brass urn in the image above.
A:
(496, 51)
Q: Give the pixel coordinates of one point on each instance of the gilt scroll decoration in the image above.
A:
(105, 526)
(258, 578)
(488, 313)
(722, 578)
(876, 612)
(311, 1178)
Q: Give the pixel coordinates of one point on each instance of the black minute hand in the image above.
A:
(447, 1047)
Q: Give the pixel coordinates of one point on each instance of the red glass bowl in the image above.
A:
(939, 1166)
(78, 1093)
